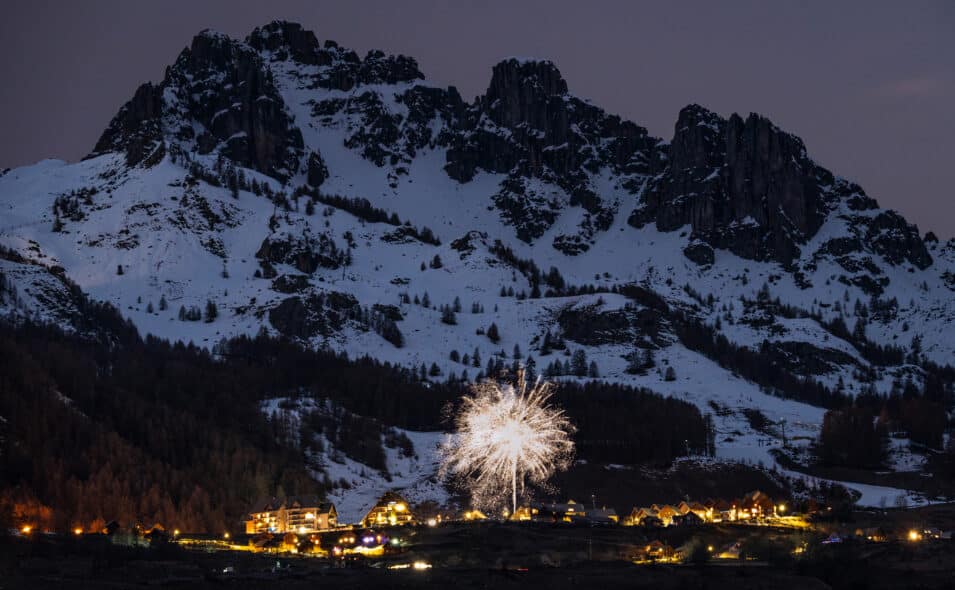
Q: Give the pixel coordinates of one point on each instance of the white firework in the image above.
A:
(506, 438)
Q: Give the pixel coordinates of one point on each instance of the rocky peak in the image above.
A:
(525, 91)
(696, 141)
(136, 129)
(219, 97)
(289, 40)
(528, 125)
(749, 187)
(743, 185)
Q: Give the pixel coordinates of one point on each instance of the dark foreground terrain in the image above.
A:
(496, 555)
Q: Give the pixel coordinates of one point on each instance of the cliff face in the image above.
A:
(749, 187)
(216, 97)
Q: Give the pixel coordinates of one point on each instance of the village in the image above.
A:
(302, 540)
(306, 526)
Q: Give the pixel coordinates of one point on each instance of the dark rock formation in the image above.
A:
(221, 85)
(136, 129)
(751, 188)
(306, 253)
(742, 185)
(699, 252)
(317, 170)
(311, 315)
(289, 41)
(528, 126)
(591, 326)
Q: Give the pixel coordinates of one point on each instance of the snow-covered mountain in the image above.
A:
(296, 187)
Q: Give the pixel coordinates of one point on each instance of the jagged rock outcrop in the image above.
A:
(316, 170)
(307, 253)
(700, 252)
(740, 184)
(751, 188)
(136, 129)
(743, 185)
(527, 125)
(217, 97)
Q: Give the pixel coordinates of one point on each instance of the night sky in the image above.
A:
(869, 85)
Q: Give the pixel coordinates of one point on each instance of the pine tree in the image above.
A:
(162, 303)
(593, 371)
(579, 363)
(858, 332)
(530, 370)
(212, 312)
(493, 334)
(119, 269)
(448, 317)
(546, 344)
(670, 374)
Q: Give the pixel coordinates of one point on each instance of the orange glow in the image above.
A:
(26, 529)
(77, 531)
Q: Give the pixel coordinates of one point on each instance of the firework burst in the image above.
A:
(506, 438)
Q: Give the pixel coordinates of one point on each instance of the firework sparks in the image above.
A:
(507, 438)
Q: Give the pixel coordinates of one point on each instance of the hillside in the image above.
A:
(283, 184)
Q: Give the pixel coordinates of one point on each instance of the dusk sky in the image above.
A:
(868, 85)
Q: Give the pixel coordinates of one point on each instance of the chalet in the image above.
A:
(390, 510)
(569, 512)
(637, 515)
(294, 514)
(665, 513)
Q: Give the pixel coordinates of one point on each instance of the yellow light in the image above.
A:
(77, 531)
(782, 508)
(301, 530)
(914, 536)
(709, 548)
(309, 516)
(422, 565)
(175, 533)
(432, 522)
(225, 536)
(400, 507)
(26, 529)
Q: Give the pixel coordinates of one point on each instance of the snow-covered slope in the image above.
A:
(238, 182)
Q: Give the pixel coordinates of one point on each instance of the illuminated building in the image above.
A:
(294, 514)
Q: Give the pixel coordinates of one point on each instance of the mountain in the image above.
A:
(289, 185)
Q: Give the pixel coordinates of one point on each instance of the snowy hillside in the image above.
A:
(282, 184)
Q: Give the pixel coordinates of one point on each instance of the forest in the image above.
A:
(110, 426)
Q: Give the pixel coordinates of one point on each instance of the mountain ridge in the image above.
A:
(348, 203)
